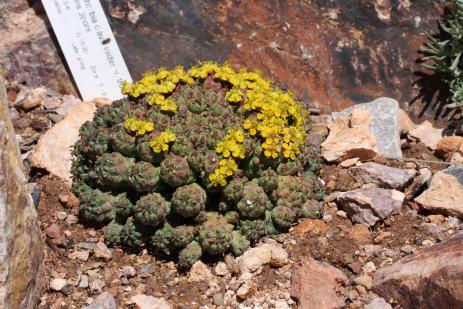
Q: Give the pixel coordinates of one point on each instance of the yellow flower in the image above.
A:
(161, 142)
(132, 124)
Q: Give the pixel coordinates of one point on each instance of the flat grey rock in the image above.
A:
(384, 176)
(368, 206)
(385, 124)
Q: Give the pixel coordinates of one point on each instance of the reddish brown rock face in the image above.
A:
(332, 54)
(431, 278)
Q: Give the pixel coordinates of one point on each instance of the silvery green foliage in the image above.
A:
(443, 51)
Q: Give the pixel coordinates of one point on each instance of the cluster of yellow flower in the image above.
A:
(158, 85)
(165, 104)
(279, 119)
(161, 142)
(132, 124)
(275, 115)
(226, 168)
(232, 144)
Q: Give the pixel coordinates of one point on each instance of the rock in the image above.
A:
(448, 146)
(149, 302)
(430, 278)
(368, 206)
(253, 259)
(83, 283)
(384, 124)
(349, 162)
(29, 99)
(96, 286)
(146, 269)
(456, 158)
(13, 114)
(51, 103)
(128, 271)
(384, 176)
(427, 134)
(360, 234)
(21, 242)
(101, 251)
(68, 104)
(53, 151)
(444, 196)
(199, 272)
(55, 118)
(370, 250)
(280, 257)
(327, 218)
(54, 231)
(71, 219)
(221, 269)
(407, 249)
(218, 299)
(456, 171)
(57, 284)
(436, 219)
(81, 255)
(378, 303)
(432, 228)
(62, 215)
(350, 137)
(369, 267)
(365, 281)
(316, 285)
(406, 124)
(103, 301)
(246, 290)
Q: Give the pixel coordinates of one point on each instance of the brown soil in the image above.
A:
(334, 242)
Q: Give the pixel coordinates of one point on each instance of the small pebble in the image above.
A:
(71, 219)
(341, 213)
(221, 269)
(57, 284)
(128, 271)
(365, 281)
(96, 286)
(83, 284)
(102, 251)
(327, 218)
(218, 299)
(369, 267)
(62, 215)
(147, 269)
(407, 249)
(87, 245)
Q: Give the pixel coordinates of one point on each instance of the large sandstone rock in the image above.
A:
(53, 151)
(21, 241)
(384, 125)
(445, 195)
(317, 285)
(429, 279)
(385, 176)
(350, 137)
(368, 206)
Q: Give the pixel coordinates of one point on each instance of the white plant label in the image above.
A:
(89, 46)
